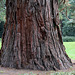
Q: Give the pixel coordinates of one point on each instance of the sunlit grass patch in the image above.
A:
(1, 71)
(70, 49)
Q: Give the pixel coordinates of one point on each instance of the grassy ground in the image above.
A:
(70, 49)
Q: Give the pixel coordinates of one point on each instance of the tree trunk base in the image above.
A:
(32, 38)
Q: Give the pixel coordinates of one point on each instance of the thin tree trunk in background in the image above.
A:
(31, 38)
(61, 26)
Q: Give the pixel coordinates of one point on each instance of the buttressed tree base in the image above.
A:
(32, 38)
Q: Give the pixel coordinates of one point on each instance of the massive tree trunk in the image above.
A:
(31, 38)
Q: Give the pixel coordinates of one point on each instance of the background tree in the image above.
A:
(2, 10)
(2, 15)
(32, 38)
(67, 17)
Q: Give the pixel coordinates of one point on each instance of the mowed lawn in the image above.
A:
(70, 48)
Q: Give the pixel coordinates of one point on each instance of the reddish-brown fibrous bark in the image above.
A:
(32, 38)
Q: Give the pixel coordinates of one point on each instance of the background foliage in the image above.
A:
(2, 10)
(2, 15)
(67, 17)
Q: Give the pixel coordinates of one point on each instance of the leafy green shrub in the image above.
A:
(68, 31)
(68, 39)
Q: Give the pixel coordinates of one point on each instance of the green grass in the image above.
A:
(56, 73)
(70, 49)
(64, 73)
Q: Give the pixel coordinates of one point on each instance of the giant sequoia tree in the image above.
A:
(31, 38)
